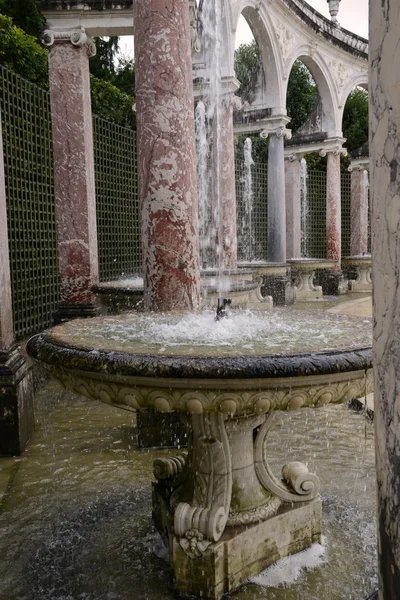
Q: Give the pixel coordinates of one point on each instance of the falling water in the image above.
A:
(203, 184)
(246, 226)
(305, 211)
(211, 24)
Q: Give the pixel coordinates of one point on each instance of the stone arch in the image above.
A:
(360, 80)
(329, 117)
(263, 31)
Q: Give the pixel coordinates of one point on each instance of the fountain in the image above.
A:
(222, 511)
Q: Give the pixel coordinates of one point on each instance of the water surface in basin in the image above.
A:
(280, 331)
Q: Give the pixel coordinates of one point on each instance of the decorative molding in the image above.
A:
(280, 132)
(297, 484)
(261, 513)
(287, 394)
(77, 37)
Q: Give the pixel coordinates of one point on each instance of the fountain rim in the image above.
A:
(45, 348)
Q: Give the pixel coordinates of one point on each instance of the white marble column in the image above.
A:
(276, 247)
(6, 316)
(74, 187)
(293, 205)
(384, 97)
(359, 210)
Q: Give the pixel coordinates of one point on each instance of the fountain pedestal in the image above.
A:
(305, 268)
(363, 267)
(224, 513)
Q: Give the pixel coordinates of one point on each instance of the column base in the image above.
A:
(160, 430)
(334, 283)
(16, 403)
(279, 287)
(242, 552)
(67, 311)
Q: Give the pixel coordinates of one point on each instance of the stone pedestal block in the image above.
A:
(160, 430)
(243, 551)
(279, 287)
(16, 403)
(334, 283)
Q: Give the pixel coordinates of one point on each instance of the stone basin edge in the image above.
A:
(44, 348)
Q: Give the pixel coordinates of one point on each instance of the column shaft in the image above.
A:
(384, 53)
(73, 172)
(16, 387)
(276, 200)
(359, 213)
(293, 207)
(166, 155)
(333, 208)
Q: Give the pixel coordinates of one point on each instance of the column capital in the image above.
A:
(359, 164)
(280, 131)
(292, 157)
(77, 37)
(333, 146)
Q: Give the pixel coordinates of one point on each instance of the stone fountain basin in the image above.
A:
(196, 379)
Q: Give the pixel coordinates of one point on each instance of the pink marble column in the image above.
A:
(73, 168)
(293, 206)
(333, 208)
(166, 155)
(6, 317)
(359, 211)
(16, 389)
(228, 187)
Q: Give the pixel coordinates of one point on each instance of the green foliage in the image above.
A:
(24, 14)
(247, 60)
(124, 78)
(111, 104)
(259, 148)
(355, 119)
(102, 65)
(302, 94)
(22, 53)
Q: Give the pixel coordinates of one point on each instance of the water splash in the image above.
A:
(203, 184)
(246, 226)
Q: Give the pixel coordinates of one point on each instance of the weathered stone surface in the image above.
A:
(385, 182)
(167, 159)
(359, 212)
(16, 403)
(333, 208)
(73, 169)
(293, 206)
(276, 250)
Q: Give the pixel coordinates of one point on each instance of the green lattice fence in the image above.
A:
(25, 113)
(252, 225)
(316, 196)
(118, 224)
(345, 205)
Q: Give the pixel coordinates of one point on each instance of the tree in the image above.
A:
(102, 65)
(355, 119)
(24, 14)
(22, 53)
(247, 61)
(302, 94)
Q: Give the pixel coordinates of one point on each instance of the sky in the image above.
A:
(353, 15)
